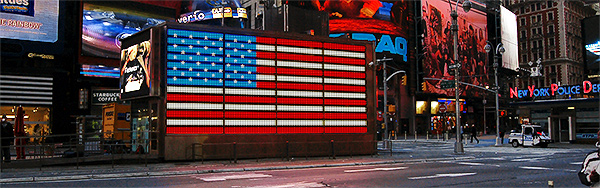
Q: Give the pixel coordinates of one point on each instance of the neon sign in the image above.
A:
(594, 48)
(554, 90)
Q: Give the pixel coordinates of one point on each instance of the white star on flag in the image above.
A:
(182, 52)
(249, 72)
(235, 50)
(242, 45)
(174, 45)
(174, 68)
(182, 62)
(220, 38)
(191, 79)
(249, 42)
(182, 74)
(205, 47)
(221, 49)
(174, 78)
(175, 35)
(234, 40)
(249, 51)
(190, 69)
(197, 62)
(242, 65)
(191, 46)
(191, 37)
(205, 70)
(205, 79)
(242, 56)
(205, 37)
(197, 53)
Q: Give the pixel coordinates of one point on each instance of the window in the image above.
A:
(523, 34)
(533, 19)
(532, 7)
(550, 29)
(533, 31)
(522, 10)
(524, 45)
(539, 18)
(550, 4)
(539, 30)
(550, 16)
(524, 58)
(538, 6)
(552, 55)
(535, 46)
(523, 22)
(551, 41)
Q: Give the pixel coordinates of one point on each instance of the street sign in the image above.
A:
(447, 84)
(443, 108)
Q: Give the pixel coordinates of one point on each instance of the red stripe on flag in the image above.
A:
(194, 130)
(250, 130)
(250, 115)
(292, 130)
(361, 116)
(249, 99)
(345, 88)
(266, 85)
(265, 55)
(194, 114)
(266, 70)
(303, 72)
(194, 98)
(265, 40)
(296, 86)
(314, 101)
(345, 47)
(343, 74)
(299, 115)
(302, 43)
(341, 60)
(345, 129)
(345, 102)
(300, 57)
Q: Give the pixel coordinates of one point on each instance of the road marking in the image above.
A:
(234, 177)
(527, 159)
(375, 169)
(535, 168)
(577, 163)
(296, 184)
(477, 164)
(443, 176)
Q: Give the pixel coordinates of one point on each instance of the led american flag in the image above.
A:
(221, 83)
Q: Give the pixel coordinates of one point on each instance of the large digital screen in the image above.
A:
(29, 20)
(510, 39)
(438, 42)
(591, 42)
(135, 70)
(219, 83)
(385, 22)
(202, 10)
(105, 23)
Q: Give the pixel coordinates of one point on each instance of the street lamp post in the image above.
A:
(458, 147)
(496, 53)
(385, 79)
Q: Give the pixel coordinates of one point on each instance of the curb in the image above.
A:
(247, 169)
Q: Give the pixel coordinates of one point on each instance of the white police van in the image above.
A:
(529, 135)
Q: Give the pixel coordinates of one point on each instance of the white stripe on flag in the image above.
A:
(345, 95)
(194, 122)
(344, 67)
(299, 108)
(264, 77)
(299, 122)
(344, 109)
(250, 107)
(344, 81)
(297, 64)
(264, 47)
(317, 94)
(344, 54)
(233, 91)
(195, 106)
(345, 123)
(305, 79)
(247, 122)
(265, 62)
(194, 90)
(299, 50)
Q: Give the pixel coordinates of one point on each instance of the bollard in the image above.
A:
(550, 183)
(415, 136)
(202, 147)
(391, 146)
(234, 153)
(332, 150)
(287, 150)
(427, 135)
(438, 135)
(405, 134)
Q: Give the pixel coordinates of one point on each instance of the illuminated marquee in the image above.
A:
(221, 83)
(554, 90)
(594, 48)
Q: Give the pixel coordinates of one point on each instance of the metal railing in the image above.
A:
(85, 148)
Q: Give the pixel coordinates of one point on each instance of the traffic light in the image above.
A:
(424, 86)
(404, 80)
(502, 113)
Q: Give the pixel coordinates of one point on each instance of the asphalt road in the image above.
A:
(487, 167)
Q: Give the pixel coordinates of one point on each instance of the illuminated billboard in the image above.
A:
(29, 20)
(438, 42)
(591, 42)
(105, 23)
(136, 67)
(385, 22)
(202, 10)
(221, 83)
(510, 39)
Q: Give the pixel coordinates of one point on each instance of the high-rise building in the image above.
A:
(550, 34)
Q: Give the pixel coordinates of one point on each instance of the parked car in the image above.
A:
(529, 135)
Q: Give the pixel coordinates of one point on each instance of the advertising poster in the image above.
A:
(135, 70)
(510, 39)
(591, 42)
(438, 42)
(29, 20)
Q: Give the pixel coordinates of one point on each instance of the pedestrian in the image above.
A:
(588, 175)
(474, 134)
(502, 136)
(6, 133)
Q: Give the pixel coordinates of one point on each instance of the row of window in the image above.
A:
(537, 18)
(535, 6)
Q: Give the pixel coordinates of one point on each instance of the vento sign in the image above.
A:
(554, 90)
